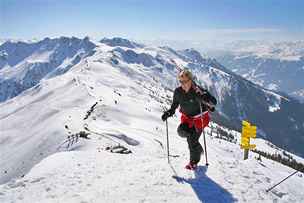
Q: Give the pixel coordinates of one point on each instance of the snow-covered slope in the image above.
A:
(120, 98)
(89, 173)
(2, 41)
(117, 41)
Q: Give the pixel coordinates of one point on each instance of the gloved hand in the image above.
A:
(165, 115)
(211, 108)
(202, 95)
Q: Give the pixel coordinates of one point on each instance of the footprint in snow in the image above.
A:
(279, 194)
(128, 140)
(37, 180)
(257, 173)
(15, 185)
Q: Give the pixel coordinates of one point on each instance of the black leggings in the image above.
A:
(192, 136)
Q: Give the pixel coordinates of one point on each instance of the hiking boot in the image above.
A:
(191, 166)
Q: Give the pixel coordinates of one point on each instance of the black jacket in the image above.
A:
(189, 101)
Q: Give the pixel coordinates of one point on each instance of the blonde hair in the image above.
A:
(185, 73)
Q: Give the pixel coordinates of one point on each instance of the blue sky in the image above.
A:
(195, 20)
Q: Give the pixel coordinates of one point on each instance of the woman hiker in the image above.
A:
(195, 103)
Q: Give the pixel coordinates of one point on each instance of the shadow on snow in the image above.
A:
(205, 188)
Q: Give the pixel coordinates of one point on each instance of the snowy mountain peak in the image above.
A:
(117, 41)
(131, 56)
(193, 55)
(18, 51)
(23, 65)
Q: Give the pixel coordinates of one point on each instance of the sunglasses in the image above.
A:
(183, 81)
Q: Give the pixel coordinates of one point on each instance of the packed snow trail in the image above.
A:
(95, 175)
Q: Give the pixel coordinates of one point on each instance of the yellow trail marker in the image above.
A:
(248, 131)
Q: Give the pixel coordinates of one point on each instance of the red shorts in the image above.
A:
(199, 121)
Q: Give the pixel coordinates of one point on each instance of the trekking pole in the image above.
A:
(205, 148)
(205, 145)
(167, 140)
(281, 181)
